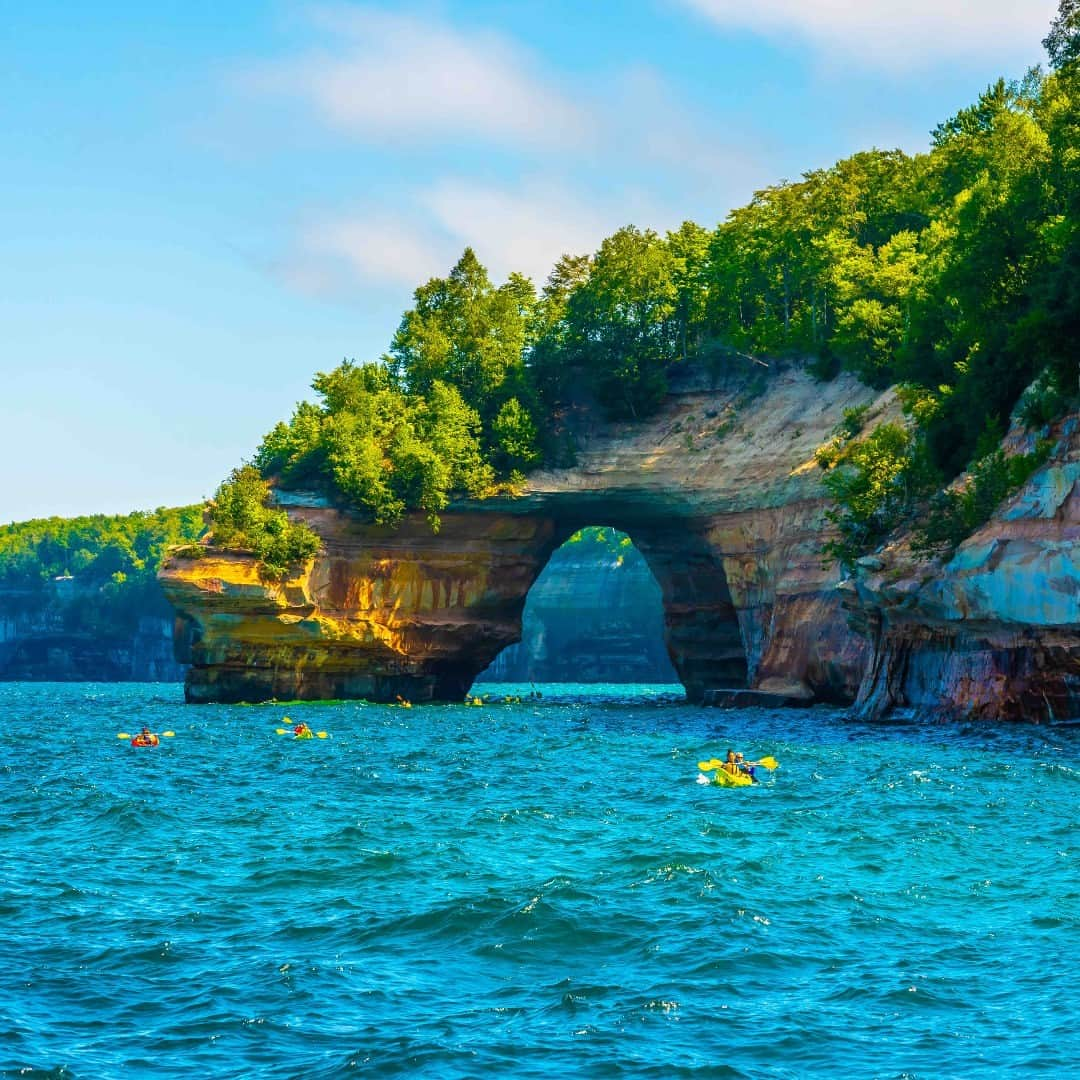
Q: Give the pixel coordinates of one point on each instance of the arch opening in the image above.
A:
(595, 614)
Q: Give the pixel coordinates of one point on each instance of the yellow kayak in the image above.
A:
(721, 776)
(726, 779)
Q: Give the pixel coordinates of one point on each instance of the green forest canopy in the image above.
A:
(955, 273)
(112, 562)
(93, 549)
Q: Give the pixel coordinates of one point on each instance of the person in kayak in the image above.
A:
(302, 731)
(736, 765)
(145, 738)
(746, 767)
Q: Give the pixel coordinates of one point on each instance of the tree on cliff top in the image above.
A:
(464, 332)
(380, 449)
(241, 517)
(1063, 42)
(621, 325)
(955, 272)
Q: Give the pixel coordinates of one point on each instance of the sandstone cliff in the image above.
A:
(719, 492)
(56, 633)
(994, 632)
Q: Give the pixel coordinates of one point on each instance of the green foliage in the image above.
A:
(853, 422)
(803, 261)
(875, 483)
(602, 541)
(622, 325)
(957, 512)
(1063, 41)
(92, 549)
(241, 518)
(109, 563)
(515, 436)
(1044, 401)
(955, 273)
(886, 479)
(874, 292)
(464, 332)
(383, 450)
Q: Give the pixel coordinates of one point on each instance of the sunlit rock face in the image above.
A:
(719, 492)
(993, 633)
(378, 614)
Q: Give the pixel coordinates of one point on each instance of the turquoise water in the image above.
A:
(529, 891)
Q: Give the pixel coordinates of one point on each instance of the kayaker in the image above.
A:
(145, 738)
(737, 765)
(746, 766)
(302, 731)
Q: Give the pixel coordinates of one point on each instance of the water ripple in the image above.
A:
(529, 890)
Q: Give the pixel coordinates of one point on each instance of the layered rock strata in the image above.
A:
(719, 492)
(62, 632)
(994, 632)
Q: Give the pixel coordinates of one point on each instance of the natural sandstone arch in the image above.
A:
(404, 611)
(700, 625)
(388, 611)
(594, 613)
(721, 496)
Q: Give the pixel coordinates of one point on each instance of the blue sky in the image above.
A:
(203, 204)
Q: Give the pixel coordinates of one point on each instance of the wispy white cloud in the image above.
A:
(896, 34)
(646, 124)
(396, 78)
(515, 227)
(374, 247)
(522, 227)
(560, 163)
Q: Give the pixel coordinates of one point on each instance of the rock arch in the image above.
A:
(719, 493)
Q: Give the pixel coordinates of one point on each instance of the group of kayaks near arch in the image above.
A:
(733, 771)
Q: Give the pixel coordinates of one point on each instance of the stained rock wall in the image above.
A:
(993, 633)
(45, 636)
(719, 492)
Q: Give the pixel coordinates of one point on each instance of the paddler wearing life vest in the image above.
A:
(145, 738)
(736, 765)
(302, 731)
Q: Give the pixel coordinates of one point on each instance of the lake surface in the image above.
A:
(529, 890)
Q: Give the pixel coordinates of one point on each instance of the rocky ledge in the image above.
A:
(994, 632)
(719, 492)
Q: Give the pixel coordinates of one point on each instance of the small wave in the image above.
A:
(561, 901)
(34, 1072)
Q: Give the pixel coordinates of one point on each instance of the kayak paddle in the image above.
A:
(768, 762)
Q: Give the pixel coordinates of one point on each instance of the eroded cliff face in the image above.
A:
(379, 613)
(719, 492)
(994, 632)
(57, 633)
